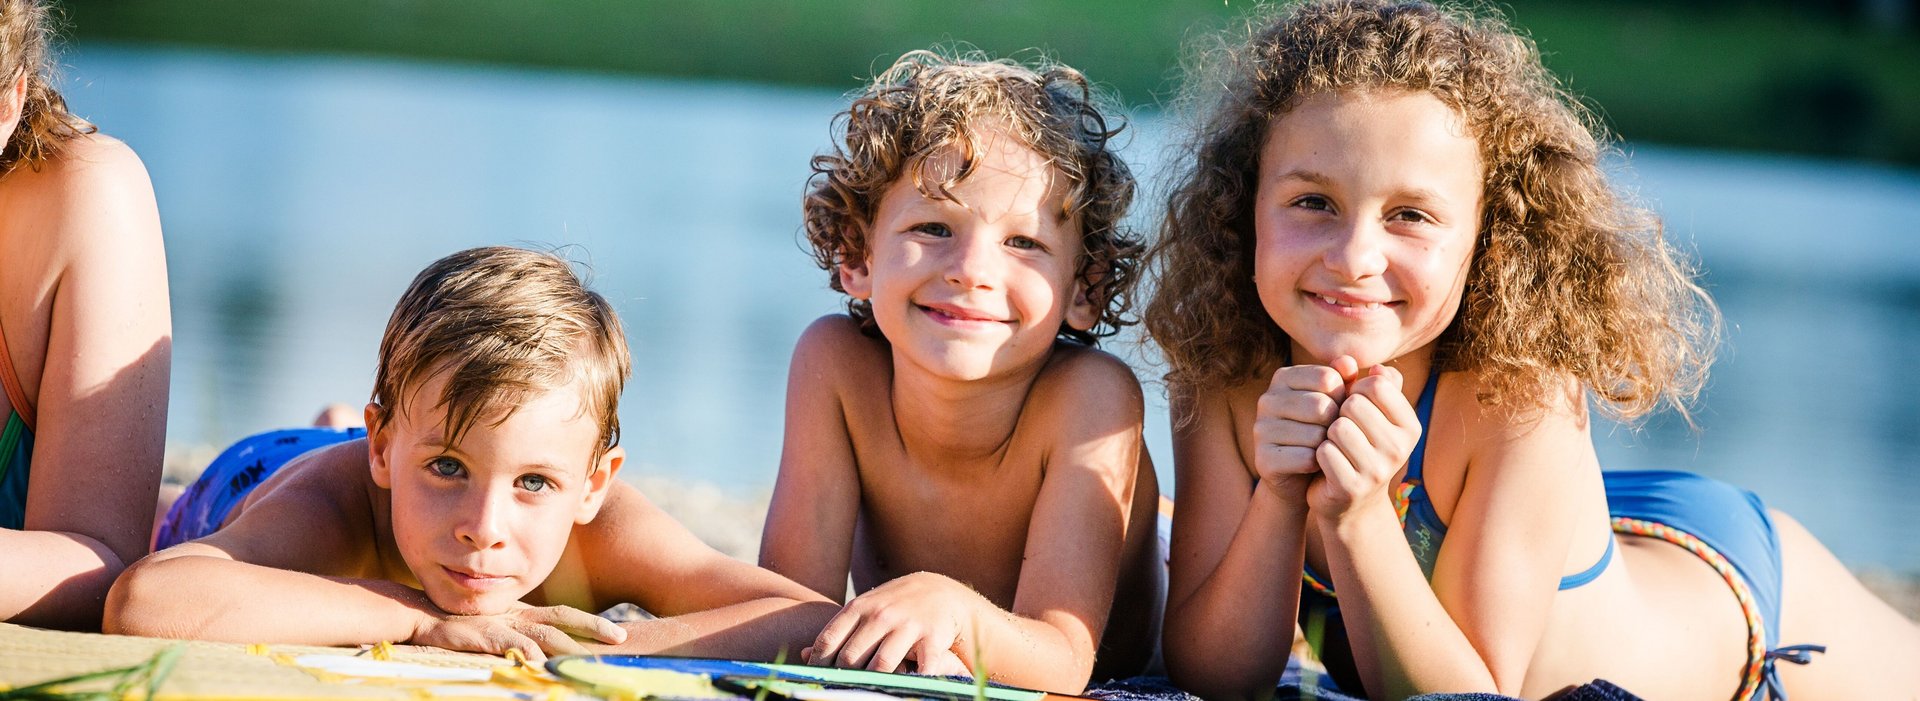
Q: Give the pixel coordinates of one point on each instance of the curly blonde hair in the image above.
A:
(1569, 279)
(927, 102)
(26, 38)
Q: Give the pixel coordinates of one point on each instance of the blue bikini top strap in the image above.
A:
(1591, 573)
(1424, 409)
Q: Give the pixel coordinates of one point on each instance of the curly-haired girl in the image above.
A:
(1389, 280)
(956, 444)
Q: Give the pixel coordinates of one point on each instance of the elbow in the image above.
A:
(1071, 677)
(137, 604)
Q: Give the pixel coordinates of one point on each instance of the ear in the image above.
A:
(1083, 313)
(377, 440)
(11, 104)
(855, 279)
(599, 483)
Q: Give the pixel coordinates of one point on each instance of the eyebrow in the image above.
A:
(1418, 194)
(1314, 177)
(953, 202)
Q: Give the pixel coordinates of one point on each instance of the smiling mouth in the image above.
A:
(947, 315)
(1350, 305)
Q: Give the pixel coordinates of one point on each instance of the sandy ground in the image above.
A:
(731, 523)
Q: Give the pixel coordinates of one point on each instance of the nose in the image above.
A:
(1357, 250)
(483, 525)
(976, 263)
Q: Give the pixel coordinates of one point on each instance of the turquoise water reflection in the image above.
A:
(300, 195)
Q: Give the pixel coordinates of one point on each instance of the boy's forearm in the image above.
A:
(1027, 652)
(208, 598)
(55, 580)
(774, 628)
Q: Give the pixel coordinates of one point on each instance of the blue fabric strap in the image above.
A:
(1797, 654)
(1591, 573)
(1424, 409)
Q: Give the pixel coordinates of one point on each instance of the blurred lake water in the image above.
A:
(300, 195)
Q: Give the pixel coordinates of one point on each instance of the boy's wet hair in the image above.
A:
(1568, 279)
(928, 102)
(505, 325)
(26, 39)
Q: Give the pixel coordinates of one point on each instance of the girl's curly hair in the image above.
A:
(1569, 279)
(927, 102)
(26, 35)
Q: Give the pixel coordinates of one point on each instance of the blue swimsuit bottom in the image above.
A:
(234, 474)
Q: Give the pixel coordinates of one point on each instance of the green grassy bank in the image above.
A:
(1752, 78)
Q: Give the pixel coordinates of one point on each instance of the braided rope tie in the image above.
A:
(1756, 628)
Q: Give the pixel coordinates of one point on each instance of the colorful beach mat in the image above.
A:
(651, 676)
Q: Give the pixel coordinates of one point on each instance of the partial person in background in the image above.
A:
(85, 345)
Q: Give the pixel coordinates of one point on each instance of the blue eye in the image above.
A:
(446, 467)
(935, 229)
(533, 483)
(1024, 243)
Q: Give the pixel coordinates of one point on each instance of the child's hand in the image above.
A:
(914, 618)
(536, 631)
(1366, 446)
(1290, 423)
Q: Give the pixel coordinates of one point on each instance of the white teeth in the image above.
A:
(1338, 303)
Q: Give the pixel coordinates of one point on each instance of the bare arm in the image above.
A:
(297, 566)
(1238, 548)
(1075, 544)
(711, 605)
(200, 591)
(101, 395)
(809, 531)
(1476, 626)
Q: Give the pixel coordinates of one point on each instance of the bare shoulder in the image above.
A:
(1083, 395)
(624, 515)
(92, 202)
(315, 514)
(837, 341)
(86, 167)
(334, 478)
(1489, 429)
(834, 352)
(1077, 377)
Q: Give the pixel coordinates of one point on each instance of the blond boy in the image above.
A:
(479, 512)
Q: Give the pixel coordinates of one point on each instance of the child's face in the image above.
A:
(1366, 217)
(482, 523)
(972, 287)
